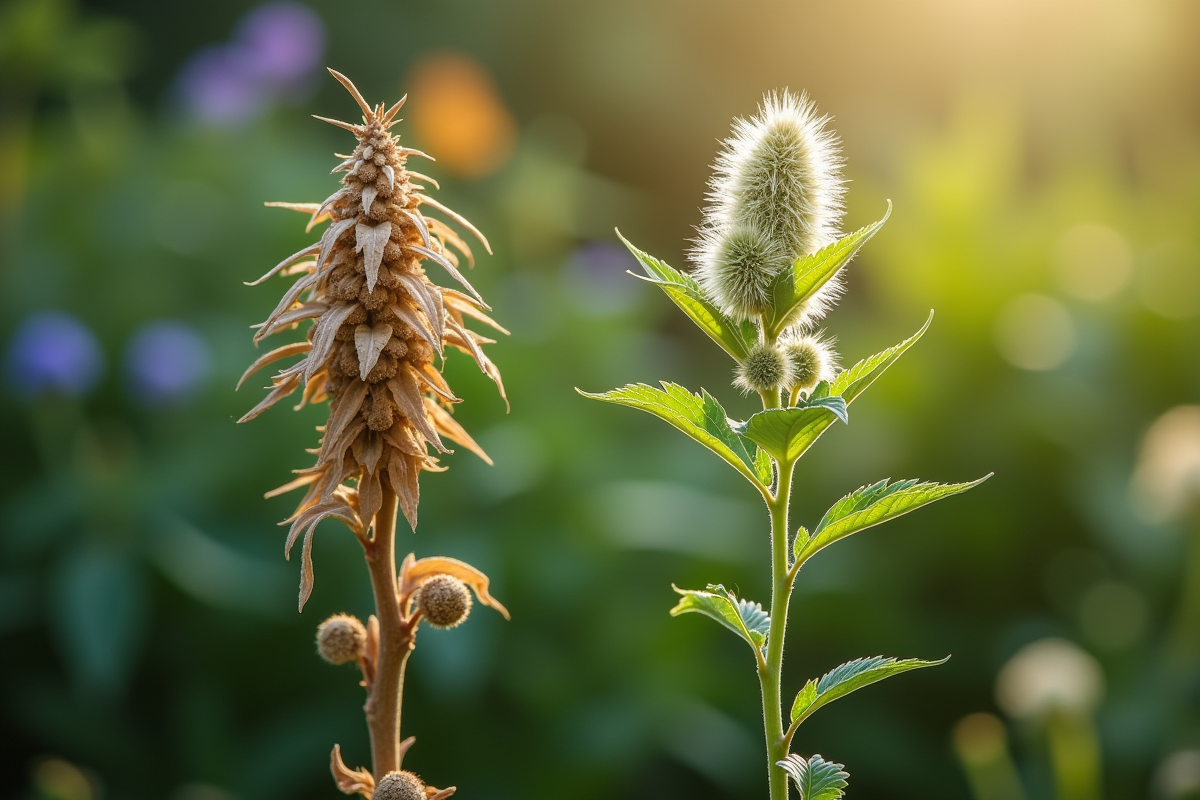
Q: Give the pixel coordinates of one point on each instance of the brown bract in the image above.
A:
(378, 323)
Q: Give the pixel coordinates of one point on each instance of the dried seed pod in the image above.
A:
(367, 292)
(402, 785)
(444, 600)
(763, 369)
(341, 639)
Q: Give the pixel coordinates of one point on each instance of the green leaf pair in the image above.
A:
(786, 433)
(849, 677)
(792, 288)
(872, 505)
(815, 778)
(701, 417)
(744, 617)
(735, 338)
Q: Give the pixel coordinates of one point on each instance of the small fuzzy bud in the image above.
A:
(737, 266)
(401, 785)
(812, 360)
(764, 369)
(444, 600)
(341, 639)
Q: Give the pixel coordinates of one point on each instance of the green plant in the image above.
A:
(768, 261)
(379, 321)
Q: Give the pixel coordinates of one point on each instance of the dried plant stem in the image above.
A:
(386, 688)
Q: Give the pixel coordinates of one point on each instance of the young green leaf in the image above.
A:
(744, 617)
(734, 337)
(786, 433)
(815, 778)
(793, 287)
(850, 676)
(879, 502)
(699, 416)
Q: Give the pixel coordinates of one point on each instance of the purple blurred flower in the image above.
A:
(273, 56)
(285, 42)
(165, 361)
(54, 352)
(217, 85)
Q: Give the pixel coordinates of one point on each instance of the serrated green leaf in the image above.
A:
(877, 503)
(815, 778)
(762, 466)
(849, 677)
(736, 338)
(802, 537)
(744, 617)
(833, 403)
(791, 288)
(699, 416)
(786, 433)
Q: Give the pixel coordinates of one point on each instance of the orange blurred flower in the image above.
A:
(457, 111)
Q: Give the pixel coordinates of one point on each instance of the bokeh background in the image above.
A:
(1043, 157)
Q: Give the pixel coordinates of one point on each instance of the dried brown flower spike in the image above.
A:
(378, 323)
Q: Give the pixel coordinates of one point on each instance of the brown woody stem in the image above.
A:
(385, 692)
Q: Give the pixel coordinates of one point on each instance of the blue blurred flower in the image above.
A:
(53, 351)
(166, 361)
(277, 48)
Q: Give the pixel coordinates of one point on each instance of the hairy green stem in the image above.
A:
(770, 673)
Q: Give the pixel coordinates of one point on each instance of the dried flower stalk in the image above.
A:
(378, 322)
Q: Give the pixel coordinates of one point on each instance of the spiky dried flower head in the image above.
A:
(778, 174)
(738, 264)
(378, 322)
(444, 601)
(341, 639)
(401, 785)
(764, 369)
(812, 360)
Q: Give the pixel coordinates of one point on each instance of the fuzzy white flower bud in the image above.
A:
(737, 267)
(764, 369)
(779, 175)
(812, 360)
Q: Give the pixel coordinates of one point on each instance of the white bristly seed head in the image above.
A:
(764, 369)
(812, 360)
(779, 174)
(737, 265)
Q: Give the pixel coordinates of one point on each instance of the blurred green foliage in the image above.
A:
(150, 644)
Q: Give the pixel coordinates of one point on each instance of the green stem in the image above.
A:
(770, 673)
